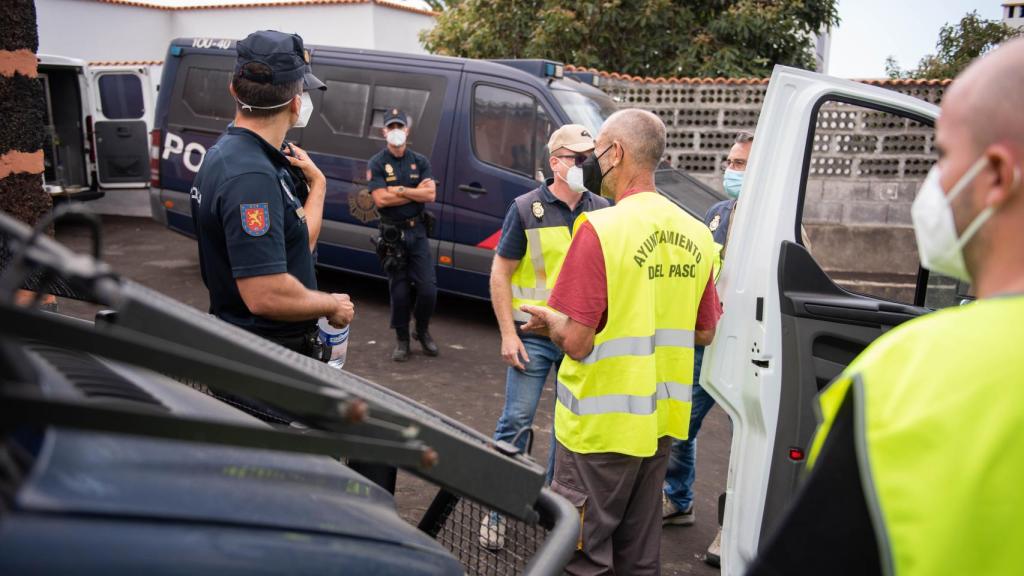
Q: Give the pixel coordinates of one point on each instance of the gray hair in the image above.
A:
(641, 132)
(744, 137)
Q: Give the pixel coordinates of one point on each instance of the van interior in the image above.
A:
(64, 146)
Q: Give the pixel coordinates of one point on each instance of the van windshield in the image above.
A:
(590, 110)
(686, 191)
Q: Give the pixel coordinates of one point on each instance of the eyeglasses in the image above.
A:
(578, 159)
(734, 164)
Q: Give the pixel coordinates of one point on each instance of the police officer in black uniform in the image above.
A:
(256, 221)
(400, 182)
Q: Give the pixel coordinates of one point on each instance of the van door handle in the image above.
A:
(470, 189)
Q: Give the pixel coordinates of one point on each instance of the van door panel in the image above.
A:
(481, 191)
(122, 107)
(787, 329)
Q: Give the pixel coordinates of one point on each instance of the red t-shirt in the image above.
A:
(581, 292)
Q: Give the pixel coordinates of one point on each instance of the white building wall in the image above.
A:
(1013, 14)
(95, 31)
(92, 31)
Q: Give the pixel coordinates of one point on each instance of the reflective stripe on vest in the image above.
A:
(938, 413)
(635, 385)
(639, 345)
(625, 403)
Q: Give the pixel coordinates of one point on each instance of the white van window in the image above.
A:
(121, 96)
(504, 128)
(206, 93)
(864, 170)
(345, 111)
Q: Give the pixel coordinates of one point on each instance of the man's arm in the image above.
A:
(425, 192)
(282, 297)
(512, 349)
(388, 197)
(575, 339)
(399, 195)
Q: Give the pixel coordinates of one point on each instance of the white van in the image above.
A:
(792, 323)
(98, 120)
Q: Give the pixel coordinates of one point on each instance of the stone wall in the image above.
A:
(866, 167)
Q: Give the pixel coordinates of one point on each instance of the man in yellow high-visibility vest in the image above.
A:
(634, 295)
(917, 465)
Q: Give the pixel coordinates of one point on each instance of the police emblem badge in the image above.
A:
(361, 206)
(713, 225)
(389, 169)
(255, 218)
(538, 209)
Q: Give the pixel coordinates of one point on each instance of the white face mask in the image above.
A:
(932, 213)
(396, 137)
(305, 112)
(574, 178)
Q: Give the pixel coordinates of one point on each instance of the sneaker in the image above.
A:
(401, 353)
(672, 515)
(713, 556)
(429, 348)
(492, 532)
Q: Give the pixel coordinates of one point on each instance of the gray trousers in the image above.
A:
(619, 501)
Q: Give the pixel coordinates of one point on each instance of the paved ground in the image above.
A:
(466, 382)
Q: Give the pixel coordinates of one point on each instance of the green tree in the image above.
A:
(958, 45)
(640, 37)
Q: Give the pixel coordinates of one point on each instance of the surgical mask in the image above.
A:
(396, 138)
(592, 174)
(305, 112)
(574, 178)
(733, 182)
(935, 228)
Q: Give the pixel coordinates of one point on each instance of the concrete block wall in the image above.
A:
(866, 167)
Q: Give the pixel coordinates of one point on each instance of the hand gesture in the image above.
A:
(301, 160)
(512, 350)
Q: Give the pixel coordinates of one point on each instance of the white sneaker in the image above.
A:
(713, 556)
(492, 532)
(672, 515)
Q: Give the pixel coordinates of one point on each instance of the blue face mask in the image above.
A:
(733, 182)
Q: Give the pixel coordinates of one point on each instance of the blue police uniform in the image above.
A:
(409, 170)
(249, 222)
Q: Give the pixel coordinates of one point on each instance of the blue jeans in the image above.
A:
(523, 390)
(682, 460)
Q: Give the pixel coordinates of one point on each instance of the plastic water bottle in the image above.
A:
(337, 339)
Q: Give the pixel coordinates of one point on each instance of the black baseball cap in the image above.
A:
(283, 53)
(395, 116)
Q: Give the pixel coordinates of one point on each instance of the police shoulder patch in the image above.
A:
(255, 218)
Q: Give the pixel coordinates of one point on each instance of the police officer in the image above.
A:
(256, 236)
(401, 183)
(916, 468)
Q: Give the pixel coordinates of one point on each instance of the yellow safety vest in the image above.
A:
(939, 404)
(547, 241)
(636, 384)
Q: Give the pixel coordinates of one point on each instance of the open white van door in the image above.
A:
(789, 327)
(121, 111)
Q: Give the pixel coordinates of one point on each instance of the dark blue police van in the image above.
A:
(483, 124)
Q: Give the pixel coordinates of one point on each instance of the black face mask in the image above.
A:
(592, 175)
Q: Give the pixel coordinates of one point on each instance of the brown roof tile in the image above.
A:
(720, 80)
(267, 4)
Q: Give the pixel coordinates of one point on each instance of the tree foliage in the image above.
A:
(958, 45)
(640, 37)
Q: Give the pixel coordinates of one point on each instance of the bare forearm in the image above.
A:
(501, 300)
(385, 198)
(425, 192)
(282, 297)
(314, 209)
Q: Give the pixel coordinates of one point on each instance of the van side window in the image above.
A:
(121, 96)
(345, 110)
(864, 170)
(206, 93)
(505, 125)
(408, 100)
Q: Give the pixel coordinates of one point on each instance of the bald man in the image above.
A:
(634, 295)
(918, 462)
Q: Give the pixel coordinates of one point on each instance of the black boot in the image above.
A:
(401, 353)
(429, 348)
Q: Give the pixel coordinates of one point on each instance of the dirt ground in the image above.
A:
(466, 381)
